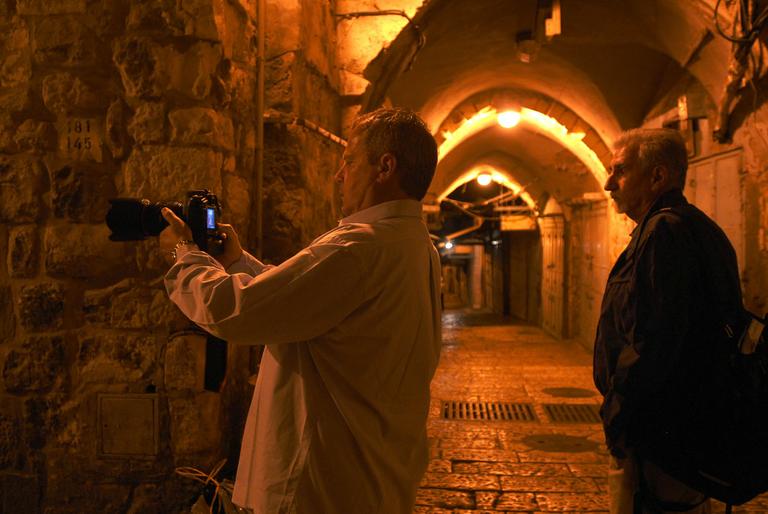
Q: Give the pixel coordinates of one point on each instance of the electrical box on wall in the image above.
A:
(128, 425)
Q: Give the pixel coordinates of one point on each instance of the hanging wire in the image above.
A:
(205, 479)
(744, 64)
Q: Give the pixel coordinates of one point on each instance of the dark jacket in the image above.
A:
(667, 295)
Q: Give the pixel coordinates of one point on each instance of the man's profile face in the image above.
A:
(357, 177)
(630, 186)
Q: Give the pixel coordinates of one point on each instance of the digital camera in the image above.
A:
(133, 219)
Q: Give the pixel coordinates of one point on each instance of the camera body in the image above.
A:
(133, 219)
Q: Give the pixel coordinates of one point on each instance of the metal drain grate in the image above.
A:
(488, 411)
(572, 413)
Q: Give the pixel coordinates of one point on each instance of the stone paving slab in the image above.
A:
(492, 467)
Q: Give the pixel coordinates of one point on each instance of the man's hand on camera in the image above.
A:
(232, 249)
(175, 232)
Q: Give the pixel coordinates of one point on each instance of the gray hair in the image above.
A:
(654, 146)
(403, 134)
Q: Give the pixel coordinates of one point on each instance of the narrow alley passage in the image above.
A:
(539, 465)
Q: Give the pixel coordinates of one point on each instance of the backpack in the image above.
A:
(725, 446)
(721, 446)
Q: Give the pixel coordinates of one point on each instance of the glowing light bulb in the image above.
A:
(448, 245)
(508, 119)
(484, 179)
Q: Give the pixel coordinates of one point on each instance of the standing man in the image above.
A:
(666, 295)
(351, 325)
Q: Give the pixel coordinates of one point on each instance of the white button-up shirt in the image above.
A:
(337, 424)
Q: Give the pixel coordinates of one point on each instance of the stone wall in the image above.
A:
(302, 83)
(101, 392)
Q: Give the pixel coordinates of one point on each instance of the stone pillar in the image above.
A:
(476, 280)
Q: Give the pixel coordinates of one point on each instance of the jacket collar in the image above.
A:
(673, 198)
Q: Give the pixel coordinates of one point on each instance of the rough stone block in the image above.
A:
(163, 173)
(7, 319)
(145, 500)
(81, 193)
(236, 202)
(136, 60)
(35, 367)
(85, 251)
(41, 307)
(64, 40)
(115, 131)
(185, 363)
(201, 126)
(36, 136)
(148, 123)
(97, 304)
(42, 7)
(15, 59)
(22, 182)
(10, 441)
(7, 132)
(41, 419)
(149, 260)
(195, 424)
(148, 69)
(161, 17)
(190, 73)
(128, 304)
(64, 93)
(116, 358)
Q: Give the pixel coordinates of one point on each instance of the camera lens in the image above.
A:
(132, 219)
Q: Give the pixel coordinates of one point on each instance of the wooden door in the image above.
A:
(553, 273)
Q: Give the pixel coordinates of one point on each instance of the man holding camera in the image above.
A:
(351, 325)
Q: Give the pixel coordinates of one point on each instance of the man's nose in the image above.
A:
(610, 184)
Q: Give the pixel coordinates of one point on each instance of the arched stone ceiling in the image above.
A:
(536, 162)
(613, 60)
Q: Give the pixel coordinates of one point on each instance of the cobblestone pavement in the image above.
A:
(535, 466)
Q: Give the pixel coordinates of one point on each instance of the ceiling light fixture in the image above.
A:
(448, 245)
(484, 179)
(508, 119)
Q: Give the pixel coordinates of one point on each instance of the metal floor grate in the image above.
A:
(487, 411)
(572, 413)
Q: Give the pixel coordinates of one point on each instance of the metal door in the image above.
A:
(714, 185)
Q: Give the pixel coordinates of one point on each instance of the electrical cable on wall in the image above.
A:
(751, 22)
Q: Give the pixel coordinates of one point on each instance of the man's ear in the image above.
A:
(387, 167)
(660, 177)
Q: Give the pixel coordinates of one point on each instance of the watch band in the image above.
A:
(183, 242)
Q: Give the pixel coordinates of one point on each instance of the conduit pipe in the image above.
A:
(260, 58)
(288, 119)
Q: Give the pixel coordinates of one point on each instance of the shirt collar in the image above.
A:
(391, 209)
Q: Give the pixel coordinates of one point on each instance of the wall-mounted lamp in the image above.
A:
(508, 119)
(448, 245)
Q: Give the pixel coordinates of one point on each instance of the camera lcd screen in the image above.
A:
(210, 218)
